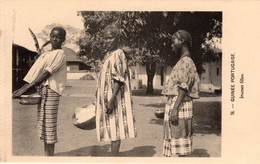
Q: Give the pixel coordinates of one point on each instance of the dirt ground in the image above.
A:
(76, 142)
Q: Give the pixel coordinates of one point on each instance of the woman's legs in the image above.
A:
(49, 149)
(115, 145)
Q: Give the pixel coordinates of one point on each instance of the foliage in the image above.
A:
(202, 26)
(146, 36)
(137, 36)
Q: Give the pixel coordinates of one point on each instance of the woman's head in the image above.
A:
(181, 38)
(111, 37)
(57, 37)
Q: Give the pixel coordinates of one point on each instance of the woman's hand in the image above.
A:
(111, 105)
(19, 92)
(174, 117)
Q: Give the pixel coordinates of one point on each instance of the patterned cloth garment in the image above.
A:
(121, 123)
(47, 115)
(184, 75)
(178, 138)
(55, 63)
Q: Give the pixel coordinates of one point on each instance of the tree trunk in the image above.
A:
(150, 70)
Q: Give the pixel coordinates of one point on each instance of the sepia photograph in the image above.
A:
(121, 83)
(118, 68)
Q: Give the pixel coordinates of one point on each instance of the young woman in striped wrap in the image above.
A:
(114, 109)
(49, 74)
(181, 88)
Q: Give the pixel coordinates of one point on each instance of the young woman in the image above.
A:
(181, 88)
(114, 110)
(49, 73)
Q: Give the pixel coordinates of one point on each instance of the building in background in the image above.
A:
(76, 68)
(210, 78)
(22, 60)
(74, 64)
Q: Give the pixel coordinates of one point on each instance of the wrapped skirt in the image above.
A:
(178, 138)
(47, 115)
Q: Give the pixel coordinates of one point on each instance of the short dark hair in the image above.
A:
(113, 29)
(185, 36)
(60, 29)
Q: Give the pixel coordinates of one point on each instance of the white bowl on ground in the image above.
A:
(85, 118)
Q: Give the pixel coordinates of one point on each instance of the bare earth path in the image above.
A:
(76, 142)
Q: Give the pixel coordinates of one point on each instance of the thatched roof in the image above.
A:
(71, 55)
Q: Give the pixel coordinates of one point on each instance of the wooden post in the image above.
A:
(17, 67)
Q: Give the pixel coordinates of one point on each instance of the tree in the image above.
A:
(203, 26)
(146, 36)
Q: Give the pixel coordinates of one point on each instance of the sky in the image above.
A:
(36, 16)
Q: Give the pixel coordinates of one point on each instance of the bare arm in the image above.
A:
(181, 95)
(175, 112)
(111, 103)
(41, 78)
(117, 85)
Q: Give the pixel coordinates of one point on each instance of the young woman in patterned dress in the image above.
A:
(181, 88)
(114, 109)
(49, 72)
